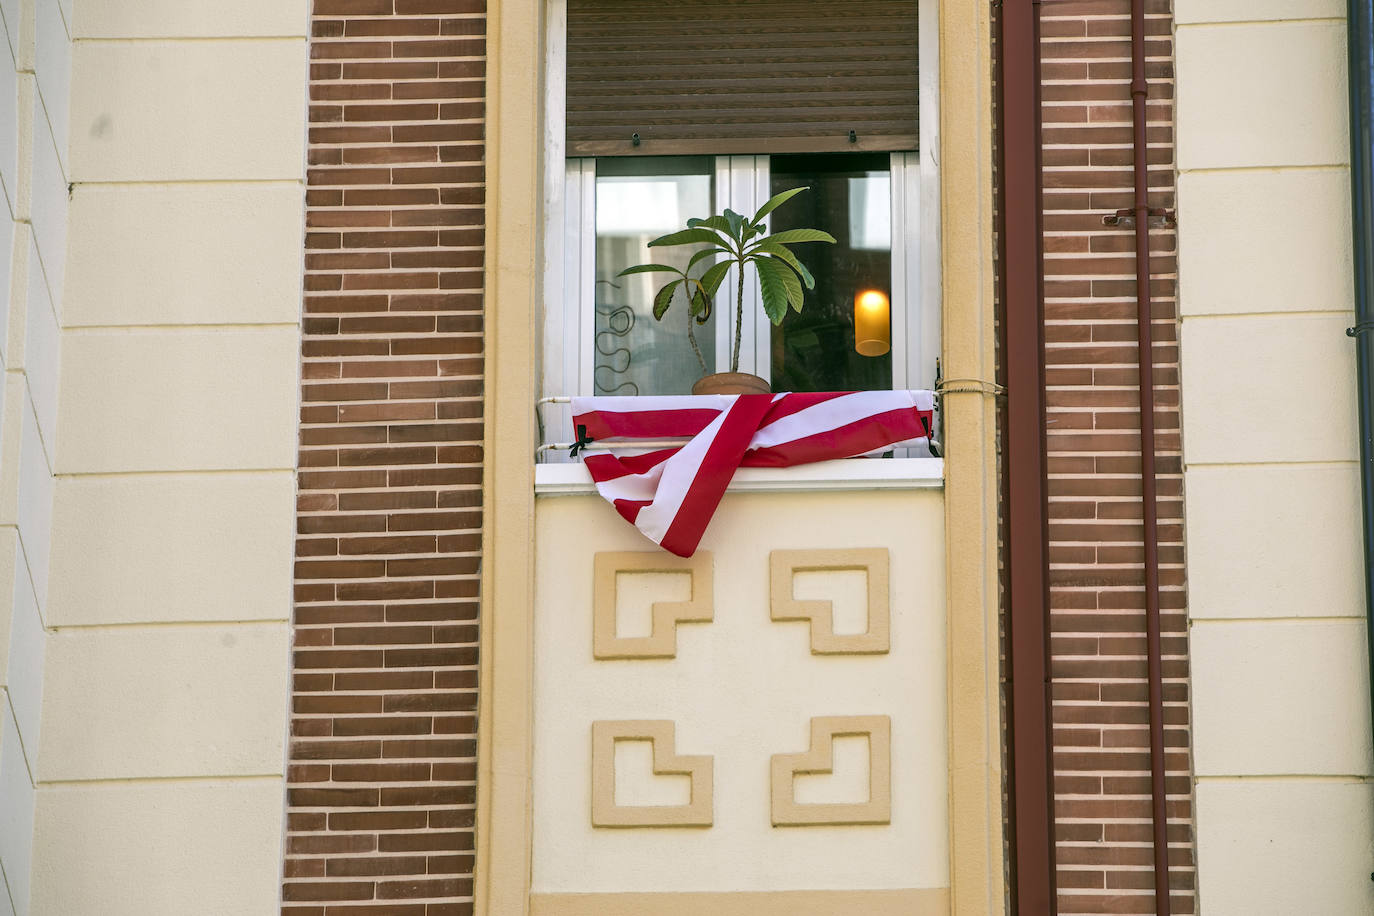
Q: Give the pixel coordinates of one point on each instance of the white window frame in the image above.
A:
(742, 183)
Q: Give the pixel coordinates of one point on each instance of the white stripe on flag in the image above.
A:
(634, 487)
(678, 474)
(829, 415)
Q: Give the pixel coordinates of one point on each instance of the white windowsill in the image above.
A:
(846, 474)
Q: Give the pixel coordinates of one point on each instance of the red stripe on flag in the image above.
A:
(645, 424)
(629, 508)
(851, 439)
(603, 466)
(717, 467)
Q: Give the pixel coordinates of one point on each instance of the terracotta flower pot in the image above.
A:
(731, 383)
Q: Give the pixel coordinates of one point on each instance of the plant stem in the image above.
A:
(739, 316)
(692, 339)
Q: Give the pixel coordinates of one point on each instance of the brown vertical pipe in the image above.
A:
(1024, 463)
(1154, 651)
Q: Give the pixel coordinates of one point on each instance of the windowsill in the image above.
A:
(844, 474)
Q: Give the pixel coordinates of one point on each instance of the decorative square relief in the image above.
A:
(666, 615)
(787, 812)
(783, 566)
(662, 734)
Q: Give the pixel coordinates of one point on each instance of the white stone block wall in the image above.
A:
(31, 254)
(1280, 676)
(152, 162)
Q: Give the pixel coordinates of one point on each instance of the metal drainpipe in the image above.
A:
(1149, 515)
(1360, 43)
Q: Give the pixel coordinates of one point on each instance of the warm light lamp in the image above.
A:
(872, 322)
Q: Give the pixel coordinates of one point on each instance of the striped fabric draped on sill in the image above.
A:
(671, 494)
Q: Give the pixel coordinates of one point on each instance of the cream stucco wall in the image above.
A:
(742, 688)
(152, 163)
(1280, 681)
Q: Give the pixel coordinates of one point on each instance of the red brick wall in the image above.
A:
(1101, 739)
(382, 754)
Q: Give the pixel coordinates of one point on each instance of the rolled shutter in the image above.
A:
(740, 76)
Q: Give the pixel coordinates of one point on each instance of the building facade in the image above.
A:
(306, 611)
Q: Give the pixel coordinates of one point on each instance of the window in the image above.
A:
(637, 200)
(644, 132)
(623, 203)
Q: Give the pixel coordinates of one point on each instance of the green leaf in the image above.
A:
(795, 296)
(711, 222)
(791, 236)
(686, 237)
(773, 287)
(665, 299)
(713, 277)
(777, 200)
(781, 251)
(737, 224)
(647, 268)
(700, 255)
(700, 306)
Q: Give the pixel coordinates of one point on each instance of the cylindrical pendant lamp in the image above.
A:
(872, 322)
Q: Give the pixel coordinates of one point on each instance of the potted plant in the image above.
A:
(741, 240)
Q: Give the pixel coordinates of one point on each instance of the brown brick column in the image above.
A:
(381, 779)
(1098, 664)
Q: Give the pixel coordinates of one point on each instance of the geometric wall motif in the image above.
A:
(661, 733)
(818, 759)
(666, 615)
(783, 564)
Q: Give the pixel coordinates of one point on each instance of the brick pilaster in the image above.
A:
(382, 769)
(1098, 665)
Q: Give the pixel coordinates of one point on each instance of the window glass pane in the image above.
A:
(820, 348)
(637, 200)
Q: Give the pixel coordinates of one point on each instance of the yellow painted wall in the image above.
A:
(152, 163)
(1281, 725)
(515, 229)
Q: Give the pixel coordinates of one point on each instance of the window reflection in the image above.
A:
(638, 200)
(870, 212)
(851, 198)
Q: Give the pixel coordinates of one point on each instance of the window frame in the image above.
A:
(567, 341)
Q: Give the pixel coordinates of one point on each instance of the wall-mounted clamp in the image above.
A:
(1125, 218)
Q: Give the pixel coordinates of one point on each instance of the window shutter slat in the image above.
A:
(740, 76)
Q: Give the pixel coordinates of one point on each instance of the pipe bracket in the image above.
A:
(1125, 218)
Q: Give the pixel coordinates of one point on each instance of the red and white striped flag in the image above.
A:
(670, 494)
